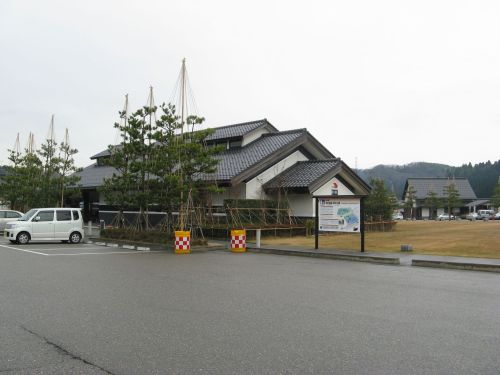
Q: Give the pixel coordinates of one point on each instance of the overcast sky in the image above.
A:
(383, 82)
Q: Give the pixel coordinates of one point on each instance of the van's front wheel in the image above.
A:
(75, 237)
(23, 238)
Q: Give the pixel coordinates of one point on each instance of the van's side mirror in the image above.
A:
(36, 218)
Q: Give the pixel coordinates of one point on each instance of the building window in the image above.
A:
(234, 144)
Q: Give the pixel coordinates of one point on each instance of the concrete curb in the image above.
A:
(456, 265)
(153, 247)
(337, 256)
(124, 246)
(357, 257)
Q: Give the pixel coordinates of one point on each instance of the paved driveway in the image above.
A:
(86, 309)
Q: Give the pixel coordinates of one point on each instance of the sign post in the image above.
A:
(340, 213)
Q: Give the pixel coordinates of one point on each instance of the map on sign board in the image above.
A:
(338, 215)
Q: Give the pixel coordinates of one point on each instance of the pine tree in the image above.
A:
(132, 159)
(31, 175)
(66, 170)
(49, 179)
(432, 202)
(451, 198)
(158, 164)
(12, 184)
(410, 199)
(379, 204)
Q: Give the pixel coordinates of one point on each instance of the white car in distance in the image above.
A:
(444, 217)
(8, 215)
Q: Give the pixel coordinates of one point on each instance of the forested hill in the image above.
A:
(483, 176)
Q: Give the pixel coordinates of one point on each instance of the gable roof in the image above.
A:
(102, 153)
(241, 164)
(220, 133)
(238, 130)
(302, 174)
(426, 184)
(237, 164)
(234, 162)
(94, 175)
(312, 174)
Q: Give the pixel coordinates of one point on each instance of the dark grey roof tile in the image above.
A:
(424, 185)
(234, 161)
(236, 130)
(94, 175)
(302, 174)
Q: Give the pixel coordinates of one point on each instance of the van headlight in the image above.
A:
(10, 226)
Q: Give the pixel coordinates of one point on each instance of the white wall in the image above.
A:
(334, 183)
(425, 212)
(253, 135)
(254, 186)
(326, 189)
(304, 205)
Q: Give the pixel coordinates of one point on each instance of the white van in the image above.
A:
(486, 214)
(46, 224)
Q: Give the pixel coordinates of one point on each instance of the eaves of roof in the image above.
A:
(269, 160)
(101, 154)
(423, 185)
(321, 180)
(237, 131)
(365, 188)
(291, 178)
(301, 175)
(93, 175)
(226, 133)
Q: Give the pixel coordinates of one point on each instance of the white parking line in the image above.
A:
(86, 253)
(107, 253)
(69, 249)
(27, 251)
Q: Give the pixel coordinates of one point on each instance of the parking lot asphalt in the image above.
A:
(87, 309)
(64, 249)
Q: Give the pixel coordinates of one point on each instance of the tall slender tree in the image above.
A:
(432, 202)
(409, 201)
(451, 198)
(130, 186)
(379, 204)
(12, 183)
(31, 174)
(49, 178)
(66, 169)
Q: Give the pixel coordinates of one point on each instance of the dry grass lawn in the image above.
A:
(458, 238)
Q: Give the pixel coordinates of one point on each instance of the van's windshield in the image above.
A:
(28, 215)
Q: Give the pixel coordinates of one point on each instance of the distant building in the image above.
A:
(423, 186)
(259, 162)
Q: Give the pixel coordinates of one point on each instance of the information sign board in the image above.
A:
(339, 214)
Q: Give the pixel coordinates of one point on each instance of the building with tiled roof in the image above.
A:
(256, 160)
(425, 185)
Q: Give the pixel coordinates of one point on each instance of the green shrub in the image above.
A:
(127, 234)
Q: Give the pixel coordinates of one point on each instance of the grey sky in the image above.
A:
(387, 82)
